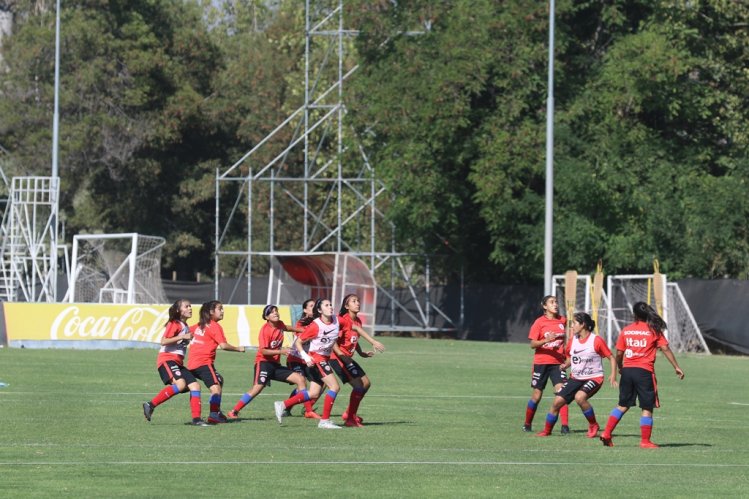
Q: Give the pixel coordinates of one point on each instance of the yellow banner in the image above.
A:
(143, 323)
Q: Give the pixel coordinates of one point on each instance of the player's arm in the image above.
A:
(274, 351)
(619, 358)
(340, 353)
(230, 348)
(670, 356)
(300, 348)
(379, 347)
(548, 338)
(176, 339)
(612, 377)
(362, 352)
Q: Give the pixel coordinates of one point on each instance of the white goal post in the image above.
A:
(622, 292)
(116, 268)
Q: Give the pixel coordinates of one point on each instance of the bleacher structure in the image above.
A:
(615, 309)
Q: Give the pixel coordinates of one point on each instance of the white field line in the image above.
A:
(370, 463)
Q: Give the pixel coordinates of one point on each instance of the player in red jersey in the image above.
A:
(585, 354)
(635, 354)
(347, 369)
(268, 362)
(321, 332)
(547, 335)
(170, 363)
(296, 363)
(208, 336)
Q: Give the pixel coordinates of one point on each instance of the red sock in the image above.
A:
(296, 399)
(645, 432)
(164, 395)
(195, 404)
(354, 401)
(610, 425)
(328, 404)
(564, 415)
(529, 413)
(308, 406)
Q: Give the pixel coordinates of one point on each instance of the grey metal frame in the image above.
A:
(336, 192)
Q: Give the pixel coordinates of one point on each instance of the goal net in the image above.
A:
(615, 308)
(584, 300)
(116, 268)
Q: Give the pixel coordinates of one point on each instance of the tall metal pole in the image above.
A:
(548, 231)
(56, 117)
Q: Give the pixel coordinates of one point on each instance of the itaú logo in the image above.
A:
(136, 324)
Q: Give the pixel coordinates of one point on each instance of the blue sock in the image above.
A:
(331, 394)
(246, 398)
(195, 393)
(175, 389)
(617, 413)
(552, 418)
(646, 421)
(590, 413)
(532, 405)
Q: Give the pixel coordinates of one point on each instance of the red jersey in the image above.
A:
(204, 344)
(639, 344)
(542, 328)
(173, 351)
(347, 338)
(270, 337)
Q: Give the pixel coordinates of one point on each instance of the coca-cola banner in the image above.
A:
(59, 324)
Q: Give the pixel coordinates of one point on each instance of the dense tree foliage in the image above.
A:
(651, 131)
(651, 125)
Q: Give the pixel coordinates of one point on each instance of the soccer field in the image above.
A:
(442, 419)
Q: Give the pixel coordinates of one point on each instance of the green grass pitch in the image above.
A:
(442, 419)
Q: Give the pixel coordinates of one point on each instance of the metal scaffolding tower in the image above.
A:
(28, 255)
(309, 187)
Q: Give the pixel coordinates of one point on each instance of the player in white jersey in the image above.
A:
(321, 332)
(584, 357)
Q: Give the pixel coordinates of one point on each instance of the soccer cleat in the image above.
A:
(344, 416)
(647, 444)
(593, 430)
(607, 442)
(279, 407)
(147, 410)
(565, 429)
(543, 433)
(327, 424)
(312, 415)
(286, 413)
(232, 415)
(216, 418)
(527, 428)
(199, 422)
(353, 423)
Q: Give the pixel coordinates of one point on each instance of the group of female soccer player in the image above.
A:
(583, 354)
(323, 347)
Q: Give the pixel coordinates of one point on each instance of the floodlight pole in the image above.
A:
(548, 231)
(56, 116)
